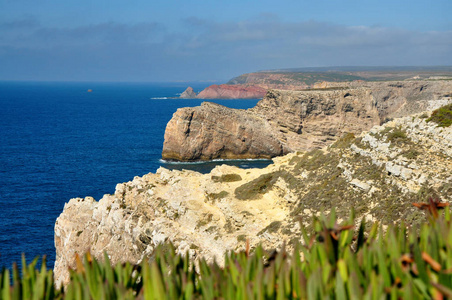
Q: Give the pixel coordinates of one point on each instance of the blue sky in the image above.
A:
(198, 40)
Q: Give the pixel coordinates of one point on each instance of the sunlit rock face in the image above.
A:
(226, 91)
(213, 131)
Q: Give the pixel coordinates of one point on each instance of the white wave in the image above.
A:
(199, 162)
(169, 162)
(156, 98)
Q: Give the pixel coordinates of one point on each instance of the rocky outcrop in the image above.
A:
(313, 78)
(188, 94)
(378, 174)
(285, 121)
(214, 131)
(226, 91)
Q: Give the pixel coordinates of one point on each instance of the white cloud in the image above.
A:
(205, 49)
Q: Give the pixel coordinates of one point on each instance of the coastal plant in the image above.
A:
(396, 135)
(100, 280)
(442, 116)
(351, 260)
(30, 282)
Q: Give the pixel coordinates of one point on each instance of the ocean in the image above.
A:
(59, 141)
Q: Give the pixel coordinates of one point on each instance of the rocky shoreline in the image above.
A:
(377, 173)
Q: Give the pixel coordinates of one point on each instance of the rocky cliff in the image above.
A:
(188, 93)
(212, 131)
(378, 174)
(285, 121)
(238, 91)
(254, 85)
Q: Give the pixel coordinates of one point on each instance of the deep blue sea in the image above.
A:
(59, 141)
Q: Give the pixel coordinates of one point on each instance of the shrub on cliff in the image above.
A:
(334, 261)
(442, 116)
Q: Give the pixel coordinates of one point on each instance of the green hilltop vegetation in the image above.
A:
(307, 78)
(375, 69)
(332, 262)
(310, 76)
(442, 116)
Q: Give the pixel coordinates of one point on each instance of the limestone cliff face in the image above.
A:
(314, 119)
(238, 91)
(214, 131)
(379, 174)
(401, 98)
(285, 121)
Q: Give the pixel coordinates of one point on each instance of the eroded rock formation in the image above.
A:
(238, 91)
(379, 174)
(285, 121)
(188, 93)
(213, 131)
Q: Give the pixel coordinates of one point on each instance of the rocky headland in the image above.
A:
(214, 131)
(226, 91)
(254, 85)
(286, 121)
(188, 93)
(378, 173)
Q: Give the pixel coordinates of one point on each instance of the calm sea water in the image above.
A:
(58, 141)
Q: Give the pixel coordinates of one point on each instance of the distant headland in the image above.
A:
(255, 85)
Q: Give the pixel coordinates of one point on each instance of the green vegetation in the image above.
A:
(424, 115)
(334, 261)
(442, 116)
(216, 196)
(314, 77)
(253, 189)
(397, 135)
(273, 227)
(411, 154)
(339, 88)
(345, 141)
(326, 187)
(241, 238)
(227, 178)
(297, 78)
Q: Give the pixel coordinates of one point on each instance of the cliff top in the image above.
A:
(310, 76)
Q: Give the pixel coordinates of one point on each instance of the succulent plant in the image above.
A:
(334, 262)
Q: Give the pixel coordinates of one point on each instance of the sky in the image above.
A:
(214, 40)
